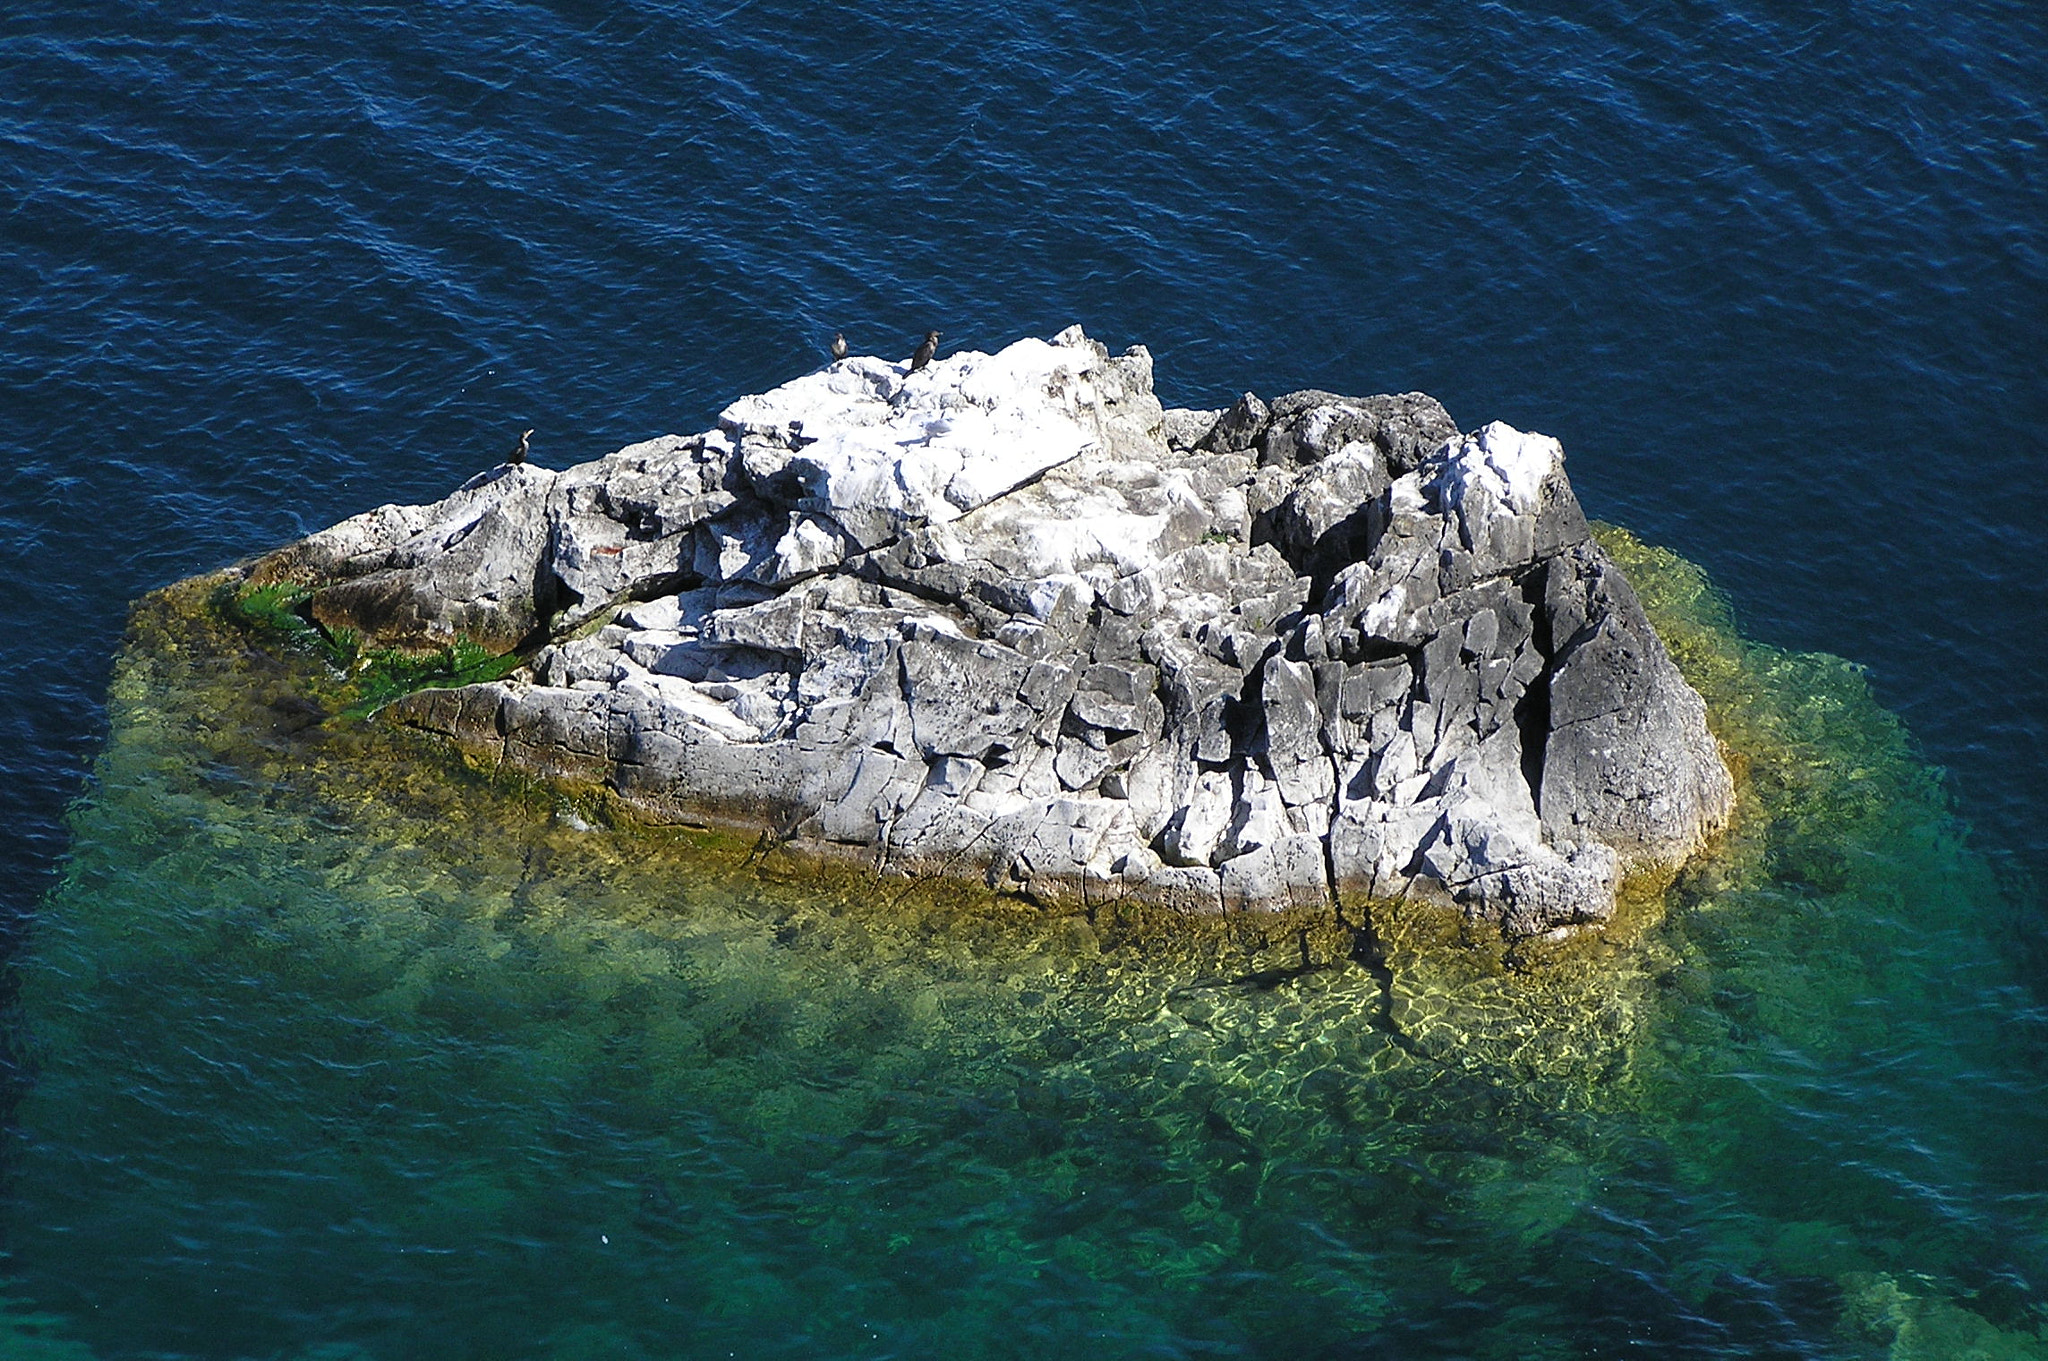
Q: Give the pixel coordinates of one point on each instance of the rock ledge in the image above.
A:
(1006, 618)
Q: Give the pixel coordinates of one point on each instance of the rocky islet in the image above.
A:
(1007, 618)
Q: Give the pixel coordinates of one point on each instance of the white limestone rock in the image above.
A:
(1007, 619)
(880, 451)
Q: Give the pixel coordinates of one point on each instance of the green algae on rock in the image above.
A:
(372, 678)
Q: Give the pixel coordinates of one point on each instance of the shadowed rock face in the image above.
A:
(1006, 618)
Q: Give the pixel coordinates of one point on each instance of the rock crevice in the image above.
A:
(1006, 616)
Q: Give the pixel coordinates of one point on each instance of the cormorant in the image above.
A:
(925, 351)
(519, 455)
(838, 345)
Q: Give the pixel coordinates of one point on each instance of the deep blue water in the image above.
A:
(1776, 274)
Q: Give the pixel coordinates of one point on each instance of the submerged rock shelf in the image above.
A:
(1007, 619)
(396, 1017)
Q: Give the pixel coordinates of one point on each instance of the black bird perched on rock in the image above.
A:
(519, 455)
(925, 351)
(839, 345)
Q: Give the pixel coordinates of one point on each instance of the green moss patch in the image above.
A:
(369, 678)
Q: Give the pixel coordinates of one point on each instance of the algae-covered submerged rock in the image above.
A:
(1006, 618)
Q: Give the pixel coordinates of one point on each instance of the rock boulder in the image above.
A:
(1007, 618)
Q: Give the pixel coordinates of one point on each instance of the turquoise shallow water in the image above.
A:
(295, 1066)
(335, 1058)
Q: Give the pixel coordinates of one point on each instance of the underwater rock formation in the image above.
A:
(1007, 618)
